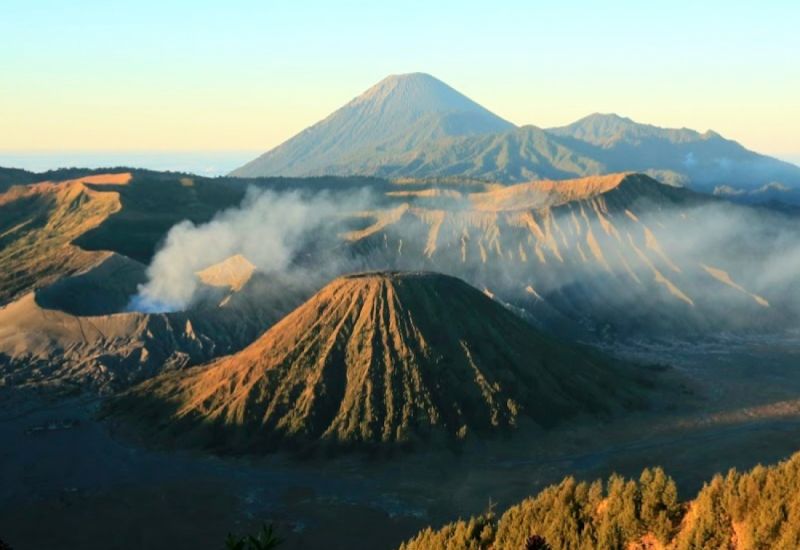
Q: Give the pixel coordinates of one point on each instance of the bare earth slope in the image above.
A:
(599, 258)
(77, 334)
(381, 358)
(619, 253)
(38, 223)
(68, 270)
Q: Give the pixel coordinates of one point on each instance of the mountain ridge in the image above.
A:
(434, 131)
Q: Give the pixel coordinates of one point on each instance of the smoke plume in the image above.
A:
(706, 261)
(269, 228)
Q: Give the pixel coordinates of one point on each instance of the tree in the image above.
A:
(758, 509)
(235, 543)
(266, 539)
(535, 542)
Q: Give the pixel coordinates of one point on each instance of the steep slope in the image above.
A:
(38, 224)
(600, 258)
(53, 229)
(616, 254)
(397, 114)
(381, 358)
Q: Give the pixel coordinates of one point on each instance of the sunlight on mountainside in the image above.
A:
(536, 289)
(724, 278)
(232, 273)
(39, 223)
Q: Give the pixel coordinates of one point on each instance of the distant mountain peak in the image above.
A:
(415, 125)
(605, 117)
(607, 129)
(400, 79)
(397, 114)
(419, 92)
(604, 123)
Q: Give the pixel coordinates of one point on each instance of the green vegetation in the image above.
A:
(264, 540)
(757, 509)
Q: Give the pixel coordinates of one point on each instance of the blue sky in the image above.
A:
(241, 75)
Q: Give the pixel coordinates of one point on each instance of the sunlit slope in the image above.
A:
(619, 248)
(66, 285)
(232, 273)
(599, 258)
(381, 358)
(38, 224)
(128, 213)
(73, 255)
(53, 229)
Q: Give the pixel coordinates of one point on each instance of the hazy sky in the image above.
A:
(240, 75)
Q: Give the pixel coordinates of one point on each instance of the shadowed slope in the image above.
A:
(380, 358)
(77, 334)
(38, 224)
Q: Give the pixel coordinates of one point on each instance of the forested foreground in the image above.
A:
(756, 509)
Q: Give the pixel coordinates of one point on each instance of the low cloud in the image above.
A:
(298, 234)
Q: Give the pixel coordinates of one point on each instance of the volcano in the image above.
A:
(399, 113)
(416, 126)
(381, 359)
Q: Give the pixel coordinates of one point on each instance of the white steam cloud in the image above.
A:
(269, 228)
(298, 234)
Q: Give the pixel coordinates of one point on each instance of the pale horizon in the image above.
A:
(338, 273)
(209, 163)
(185, 77)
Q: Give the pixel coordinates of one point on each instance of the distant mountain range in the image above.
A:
(414, 125)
